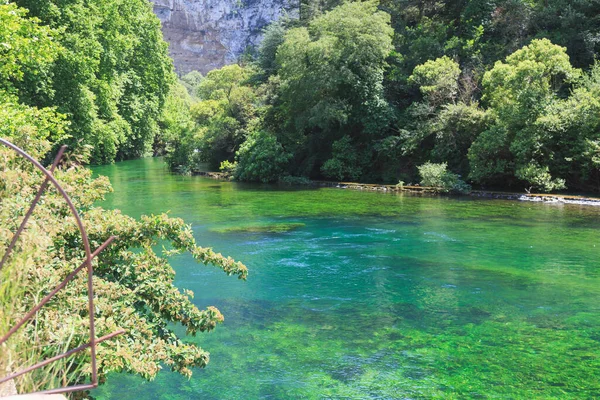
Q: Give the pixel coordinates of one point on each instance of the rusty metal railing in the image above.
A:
(87, 264)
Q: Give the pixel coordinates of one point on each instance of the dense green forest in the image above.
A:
(109, 76)
(497, 93)
(503, 93)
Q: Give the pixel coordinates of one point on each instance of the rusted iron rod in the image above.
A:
(48, 297)
(38, 196)
(86, 245)
(61, 356)
(49, 178)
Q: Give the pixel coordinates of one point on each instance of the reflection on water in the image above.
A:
(379, 295)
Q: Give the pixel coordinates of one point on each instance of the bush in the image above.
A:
(345, 163)
(540, 178)
(261, 158)
(133, 281)
(437, 176)
(228, 167)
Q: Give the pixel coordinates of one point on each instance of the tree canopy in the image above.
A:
(370, 91)
(111, 77)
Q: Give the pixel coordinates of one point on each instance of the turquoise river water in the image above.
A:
(362, 295)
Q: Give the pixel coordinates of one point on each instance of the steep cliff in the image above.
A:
(207, 34)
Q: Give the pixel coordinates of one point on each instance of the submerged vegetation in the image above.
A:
(264, 228)
(382, 296)
(499, 91)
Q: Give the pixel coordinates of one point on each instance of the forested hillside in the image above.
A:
(503, 93)
(497, 93)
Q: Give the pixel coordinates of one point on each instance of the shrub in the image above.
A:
(228, 167)
(540, 178)
(437, 176)
(133, 280)
(261, 158)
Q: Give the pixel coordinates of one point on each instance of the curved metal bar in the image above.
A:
(49, 296)
(41, 190)
(88, 253)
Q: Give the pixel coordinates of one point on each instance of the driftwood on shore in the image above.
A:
(375, 187)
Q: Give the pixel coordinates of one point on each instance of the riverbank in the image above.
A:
(533, 197)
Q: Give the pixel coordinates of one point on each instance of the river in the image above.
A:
(370, 295)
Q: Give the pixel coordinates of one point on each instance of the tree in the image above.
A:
(175, 125)
(456, 127)
(261, 158)
(572, 24)
(331, 77)
(572, 126)
(223, 117)
(221, 84)
(273, 37)
(517, 93)
(113, 76)
(27, 55)
(28, 51)
(437, 80)
(311, 9)
(346, 161)
(342, 53)
(443, 125)
(191, 81)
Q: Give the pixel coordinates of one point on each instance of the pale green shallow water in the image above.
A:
(379, 296)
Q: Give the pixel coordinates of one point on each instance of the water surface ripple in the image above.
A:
(378, 296)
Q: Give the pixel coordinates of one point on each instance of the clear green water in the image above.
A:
(377, 295)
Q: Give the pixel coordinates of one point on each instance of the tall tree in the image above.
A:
(332, 78)
(517, 92)
(112, 79)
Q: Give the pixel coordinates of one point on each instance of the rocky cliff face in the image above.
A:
(207, 34)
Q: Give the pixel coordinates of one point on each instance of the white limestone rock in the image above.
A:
(207, 34)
